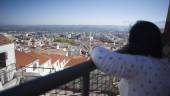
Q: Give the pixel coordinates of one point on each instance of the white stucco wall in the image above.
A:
(9, 49)
(9, 70)
(56, 65)
(59, 65)
(29, 67)
(44, 71)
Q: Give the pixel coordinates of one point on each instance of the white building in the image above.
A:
(26, 63)
(7, 60)
(45, 67)
(58, 61)
(7, 63)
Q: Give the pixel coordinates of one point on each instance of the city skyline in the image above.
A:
(81, 12)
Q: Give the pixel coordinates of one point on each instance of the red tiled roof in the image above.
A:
(42, 59)
(4, 40)
(76, 60)
(51, 51)
(23, 59)
(55, 57)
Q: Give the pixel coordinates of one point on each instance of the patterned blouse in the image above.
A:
(140, 75)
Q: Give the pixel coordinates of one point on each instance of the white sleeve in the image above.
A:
(114, 63)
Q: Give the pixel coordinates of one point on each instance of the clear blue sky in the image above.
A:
(85, 12)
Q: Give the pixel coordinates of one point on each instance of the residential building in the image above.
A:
(58, 61)
(44, 63)
(74, 60)
(7, 61)
(26, 63)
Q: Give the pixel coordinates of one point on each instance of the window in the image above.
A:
(3, 58)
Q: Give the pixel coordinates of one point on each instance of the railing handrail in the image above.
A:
(5, 71)
(39, 67)
(49, 82)
(12, 64)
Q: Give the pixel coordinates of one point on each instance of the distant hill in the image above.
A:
(63, 28)
(70, 28)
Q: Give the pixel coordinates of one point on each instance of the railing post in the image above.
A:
(85, 84)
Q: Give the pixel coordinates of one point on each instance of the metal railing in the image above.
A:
(44, 84)
(7, 72)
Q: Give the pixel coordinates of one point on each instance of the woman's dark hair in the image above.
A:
(145, 39)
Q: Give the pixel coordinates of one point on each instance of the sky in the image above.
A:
(81, 12)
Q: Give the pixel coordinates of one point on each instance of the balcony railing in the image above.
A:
(78, 78)
(7, 73)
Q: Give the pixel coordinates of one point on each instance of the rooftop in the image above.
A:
(54, 57)
(51, 51)
(4, 39)
(23, 59)
(42, 58)
(74, 60)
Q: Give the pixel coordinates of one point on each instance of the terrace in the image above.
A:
(81, 79)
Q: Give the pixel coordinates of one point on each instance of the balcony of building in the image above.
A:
(82, 79)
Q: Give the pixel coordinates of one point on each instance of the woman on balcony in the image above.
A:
(141, 67)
